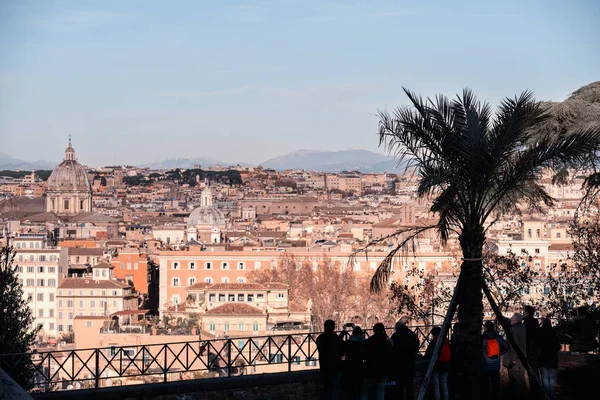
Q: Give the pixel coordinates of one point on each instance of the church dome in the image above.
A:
(69, 175)
(206, 216)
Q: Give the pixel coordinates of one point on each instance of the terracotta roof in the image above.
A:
(85, 251)
(560, 246)
(131, 312)
(84, 283)
(197, 286)
(237, 286)
(92, 317)
(295, 307)
(103, 265)
(235, 309)
(277, 285)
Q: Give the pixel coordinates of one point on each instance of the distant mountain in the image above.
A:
(188, 162)
(9, 163)
(333, 161)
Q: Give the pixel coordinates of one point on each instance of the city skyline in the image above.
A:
(245, 82)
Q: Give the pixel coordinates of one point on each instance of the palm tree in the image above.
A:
(474, 166)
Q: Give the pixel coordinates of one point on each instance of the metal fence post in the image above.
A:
(289, 353)
(165, 363)
(97, 374)
(229, 358)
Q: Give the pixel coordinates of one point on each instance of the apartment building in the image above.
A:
(40, 269)
(97, 295)
(131, 265)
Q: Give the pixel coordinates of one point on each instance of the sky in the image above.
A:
(142, 81)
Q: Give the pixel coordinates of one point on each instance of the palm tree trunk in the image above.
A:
(467, 339)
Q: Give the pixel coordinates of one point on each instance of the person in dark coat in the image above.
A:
(516, 370)
(378, 362)
(354, 363)
(490, 375)
(548, 360)
(442, 367)
(584, 332)
(331, 350)
(406, 346)
(532, 328)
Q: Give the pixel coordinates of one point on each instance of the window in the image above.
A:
(52, 270)
(42, 257)
(80, 303)
(175, 265)
(221, 298)
(257, 265)
(135, 265)
(260, 297)
(208, 265)
(51, 311)
(60, 315)
(114, 303)
(40, 269)
(66, 204)
(40, 282)
(241, 265)
(88, 324)
(30, 282)
(129, 266)
(225, 279)
(70, 328)
(40, 297)
(31, 258)
(231, 297)
(175, 282)
(60, 303)
(241, 280)
(81, 292)
(529, 233)
(208, 280)
(81, 204)
(41, 312)
(211, 327)
(241, 343)
(241, 326)
(70, 315)
(192, 265)
(558, 235)
(224, 265)
(69, 303)
(51, 325)
(51, 297)
(91, 292)
(212, 297)
(122, 265)
(255, 326)
(226, 328)
(191, 281)
(92, 303)
(102, 303)
(250, 297)
(537, 233)
(240, 297)
(60, 328)
(31, 270)
(537, 251)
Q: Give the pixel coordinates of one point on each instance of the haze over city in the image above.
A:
(139, 82)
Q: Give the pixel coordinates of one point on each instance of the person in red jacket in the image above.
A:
(442, 365)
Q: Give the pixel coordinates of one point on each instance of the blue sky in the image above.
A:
(141, 81)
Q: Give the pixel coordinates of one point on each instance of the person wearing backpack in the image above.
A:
(493, 347)
(442, 365)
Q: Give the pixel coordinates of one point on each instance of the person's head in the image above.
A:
(357, 331)
(546, 323)
(529, 311)
(378, 328)
(435, 331)
(329, 326)
(517, 318)
(582, 311)
(489, 326)
(399, 326)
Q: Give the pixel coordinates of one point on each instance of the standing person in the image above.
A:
(331, 350)
(584, 332)
(548, 360)
(442, 364)
(353, 363)
(378, 360)
(532, 328)
(515, 369)
(493, 346)
(406, 346)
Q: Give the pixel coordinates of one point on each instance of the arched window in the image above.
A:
(537, 233)
(529, 233)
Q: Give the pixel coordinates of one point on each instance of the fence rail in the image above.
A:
(137, 364)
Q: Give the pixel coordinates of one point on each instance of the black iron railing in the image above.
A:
(130, 364)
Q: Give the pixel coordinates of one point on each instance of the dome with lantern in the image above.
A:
(206, 215)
